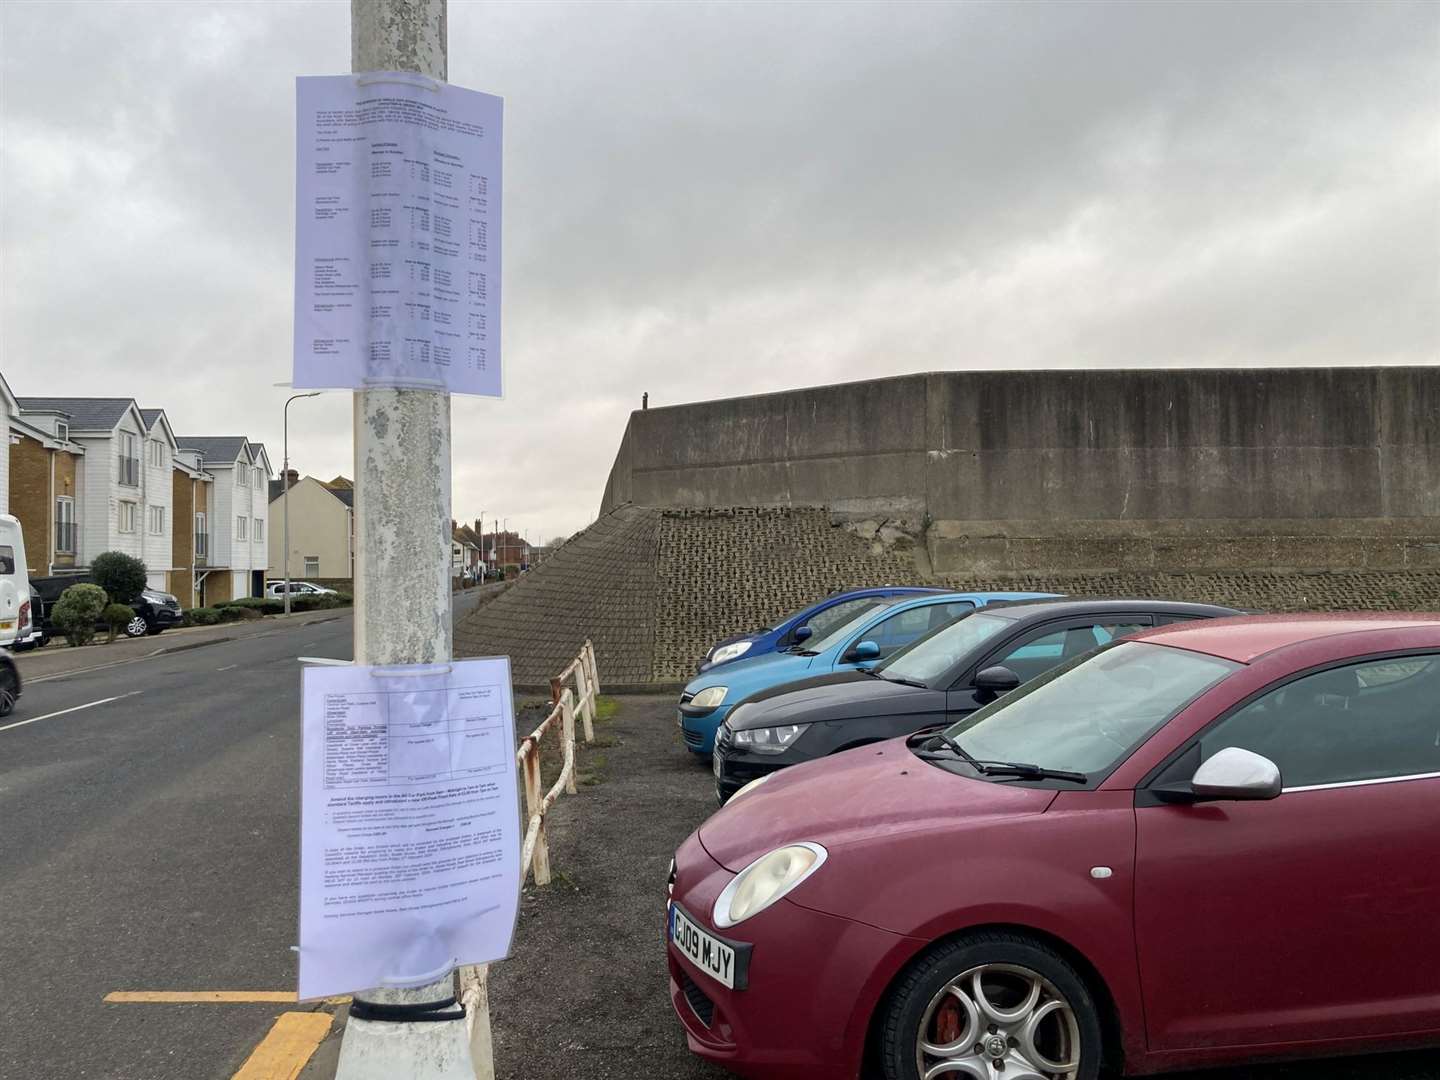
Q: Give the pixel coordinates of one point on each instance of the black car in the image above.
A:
(933, 681)
(154, 610)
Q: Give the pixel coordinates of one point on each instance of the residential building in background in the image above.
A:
(190, 537)
(237, 516)
(42, 484)
(122, 497)
(505, 549)
(322, 528)
(157, 455)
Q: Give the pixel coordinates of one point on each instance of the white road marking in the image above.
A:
(76, 708)
(228, 667)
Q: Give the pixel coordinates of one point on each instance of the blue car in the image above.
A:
(878, 628)
(815, 620)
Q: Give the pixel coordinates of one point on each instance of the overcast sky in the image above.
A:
(707, 200)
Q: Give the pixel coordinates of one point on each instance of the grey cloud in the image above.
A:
(715, 199)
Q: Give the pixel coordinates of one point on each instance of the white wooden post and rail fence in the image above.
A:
(568, 703)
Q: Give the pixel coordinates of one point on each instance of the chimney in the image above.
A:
(293, 476)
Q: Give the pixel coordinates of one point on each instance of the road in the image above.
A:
(149, 843)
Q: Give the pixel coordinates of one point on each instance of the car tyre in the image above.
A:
(1033, 1013)
(152, 629)
(9, 689)
(137, 627)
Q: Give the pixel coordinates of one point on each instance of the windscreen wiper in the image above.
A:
(1026, 771)
(963, 754)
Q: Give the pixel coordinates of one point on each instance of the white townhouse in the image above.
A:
(124, 474)
(238, 514)
(157, 462)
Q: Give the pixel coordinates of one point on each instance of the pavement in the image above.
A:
(148, 843)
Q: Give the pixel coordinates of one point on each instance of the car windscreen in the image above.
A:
(932, 655)
(850, 626)
(1090, 714)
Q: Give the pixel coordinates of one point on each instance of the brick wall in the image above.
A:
(67, 471)
(31, 502)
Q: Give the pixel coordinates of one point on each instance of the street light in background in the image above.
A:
(285, 482)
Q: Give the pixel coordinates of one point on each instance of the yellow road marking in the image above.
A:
(209, 997)
(287, 1047)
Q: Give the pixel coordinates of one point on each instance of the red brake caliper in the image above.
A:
(947, 1022)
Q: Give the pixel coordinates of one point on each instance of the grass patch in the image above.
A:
(606, 707)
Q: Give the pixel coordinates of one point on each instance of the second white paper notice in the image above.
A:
(410, 823)
(397, 234)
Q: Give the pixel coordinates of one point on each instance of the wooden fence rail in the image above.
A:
(567, 704)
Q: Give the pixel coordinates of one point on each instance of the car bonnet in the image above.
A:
(861, 794)
(836, 695)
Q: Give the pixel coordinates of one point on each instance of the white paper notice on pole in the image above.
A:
(397, 234)
(409, 823)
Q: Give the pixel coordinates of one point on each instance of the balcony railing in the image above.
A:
(130, 471)
(65, 538)
(202, 545)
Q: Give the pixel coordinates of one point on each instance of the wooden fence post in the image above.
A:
(475, 994)
(534, 797)
(594, 667)
(567, 732)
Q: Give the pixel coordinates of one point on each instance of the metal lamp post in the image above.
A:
(285, 481)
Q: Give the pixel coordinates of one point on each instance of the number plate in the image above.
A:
(717, 763)
(711, 956)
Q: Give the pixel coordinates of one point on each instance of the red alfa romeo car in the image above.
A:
(1204, 844)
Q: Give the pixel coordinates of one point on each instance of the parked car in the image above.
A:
(9, 683)
(1213, 842)
(155, 611)
(813, 621)
(298, 588)
(877, 629)
(933, 681)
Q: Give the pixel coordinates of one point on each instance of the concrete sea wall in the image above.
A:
(1010, 472)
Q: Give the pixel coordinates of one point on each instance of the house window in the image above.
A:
(259, 529)
(241, 524)
(202, 536)
(129, 460)
(156, 451)
(255, 477)
(62, 431)
(65, 526)
(312, 565)
(127, 517)
(155, 520)
(242, 476)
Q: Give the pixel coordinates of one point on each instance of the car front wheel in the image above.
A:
(137, 627)
(9, 690)
(991, 1006)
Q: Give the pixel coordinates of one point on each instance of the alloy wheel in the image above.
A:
(998, 1022)
(135, 627)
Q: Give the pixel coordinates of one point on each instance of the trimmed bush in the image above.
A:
(115, 616)
(317, 603)
(266, 605)
(201, 616)
(232, 612)
(121, 576)
(77, 611)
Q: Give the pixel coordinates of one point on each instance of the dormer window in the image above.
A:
(62, 431)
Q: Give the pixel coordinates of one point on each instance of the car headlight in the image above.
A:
(731, 651)
(766, 880)
(710, 697)
(770, 740)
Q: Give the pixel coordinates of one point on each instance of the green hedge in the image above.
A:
(200, 616)
(266, 605)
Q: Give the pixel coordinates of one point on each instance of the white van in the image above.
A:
(16, 613)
